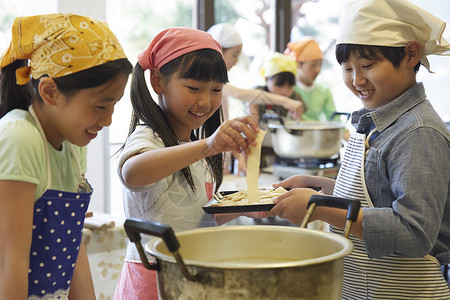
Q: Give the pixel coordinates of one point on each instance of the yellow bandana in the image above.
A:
(278, 63)
(59, 45)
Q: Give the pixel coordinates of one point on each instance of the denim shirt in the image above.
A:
(407, 173)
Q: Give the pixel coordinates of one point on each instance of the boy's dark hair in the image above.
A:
(201, 65)
(14, 96)
(393, 54)
(283, 78)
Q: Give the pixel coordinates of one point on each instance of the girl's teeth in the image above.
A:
(91, 132)
(365, 93)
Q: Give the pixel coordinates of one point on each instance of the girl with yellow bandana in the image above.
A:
(50, 110)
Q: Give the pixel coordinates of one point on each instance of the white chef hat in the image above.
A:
(392, 23)
(226, 35)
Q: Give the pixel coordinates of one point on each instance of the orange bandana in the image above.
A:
(305, 49)
(59, 45)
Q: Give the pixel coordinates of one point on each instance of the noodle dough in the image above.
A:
(241, 197)
(253, 161)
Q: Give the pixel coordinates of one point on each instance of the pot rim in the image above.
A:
(347, 247)
(308, 125)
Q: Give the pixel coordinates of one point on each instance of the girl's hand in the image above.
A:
(292, 205)
(236, 135)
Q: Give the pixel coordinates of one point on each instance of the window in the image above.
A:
(252, 20)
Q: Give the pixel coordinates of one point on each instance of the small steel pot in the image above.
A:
(246, 262)
(306, 139)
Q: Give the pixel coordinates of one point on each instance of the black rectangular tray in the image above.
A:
(209, 209)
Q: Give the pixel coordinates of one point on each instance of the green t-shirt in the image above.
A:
(319, 101)
(22, 156)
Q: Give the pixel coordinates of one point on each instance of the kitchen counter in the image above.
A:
(104, 238)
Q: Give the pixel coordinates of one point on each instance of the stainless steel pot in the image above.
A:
(306, 139)
(246, 262)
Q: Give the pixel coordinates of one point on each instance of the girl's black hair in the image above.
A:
(283, 78)
(201, 65)
(14, 96)
(393, 54)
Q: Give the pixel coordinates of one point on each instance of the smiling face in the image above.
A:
(79, 117)
(376, 81)
(188, 103)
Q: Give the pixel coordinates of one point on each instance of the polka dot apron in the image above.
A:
(57, 231)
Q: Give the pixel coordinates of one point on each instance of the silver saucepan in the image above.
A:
(306, 139)
(247, 262)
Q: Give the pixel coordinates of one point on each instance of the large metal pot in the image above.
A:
(245, 262)
(306, 139)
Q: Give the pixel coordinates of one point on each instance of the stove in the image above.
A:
(286, 167)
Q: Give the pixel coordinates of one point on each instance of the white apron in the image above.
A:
(389, 277)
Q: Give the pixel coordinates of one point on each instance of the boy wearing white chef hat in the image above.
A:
(397, 161)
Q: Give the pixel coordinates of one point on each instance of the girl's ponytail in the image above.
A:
(12, 95)
(147, 112)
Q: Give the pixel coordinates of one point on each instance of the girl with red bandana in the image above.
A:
(173, 155)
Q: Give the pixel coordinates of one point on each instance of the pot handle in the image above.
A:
(337, 113)
(272, 117)
(275, 117)
(134, 228)
(352, 207)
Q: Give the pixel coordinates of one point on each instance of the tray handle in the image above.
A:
(134, 228)
(352, 207)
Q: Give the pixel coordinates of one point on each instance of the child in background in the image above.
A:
(79, 71)
(396, 163)
(171, 163)
(231, 42)
(317, 96)
(279, 73)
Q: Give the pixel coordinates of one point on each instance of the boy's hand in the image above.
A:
(296, 181)
(256, 214)
(325, 185)
(292, 205)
